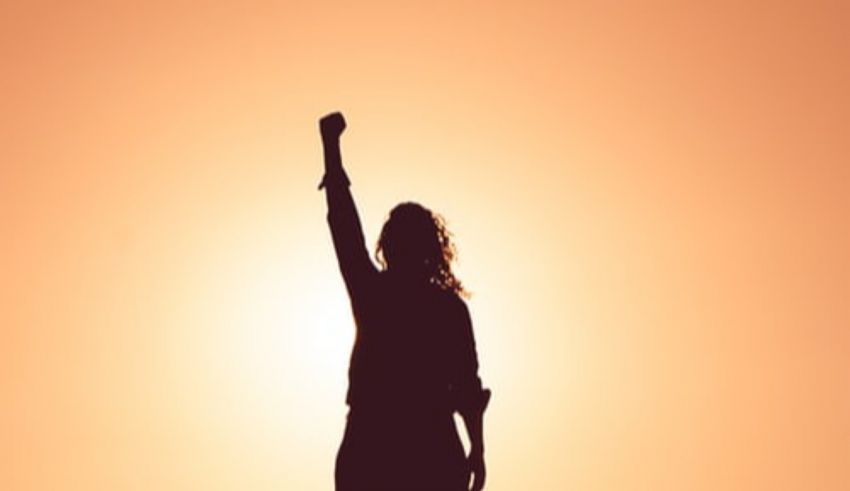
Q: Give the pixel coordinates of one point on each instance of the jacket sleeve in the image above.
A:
(347, 234)
(468, 393)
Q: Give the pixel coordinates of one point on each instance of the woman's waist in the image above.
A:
(374, 399)
(405, 419)
(393, 393)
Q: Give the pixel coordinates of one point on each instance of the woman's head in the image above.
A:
(415, 243)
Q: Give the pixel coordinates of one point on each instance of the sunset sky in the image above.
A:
(650, 202)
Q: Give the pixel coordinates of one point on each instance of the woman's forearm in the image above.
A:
(473, 419)
(342, 212)
(474, 422)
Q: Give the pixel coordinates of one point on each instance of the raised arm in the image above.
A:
(346, 231)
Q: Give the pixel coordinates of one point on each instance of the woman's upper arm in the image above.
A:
(349, 243)
(470, 394)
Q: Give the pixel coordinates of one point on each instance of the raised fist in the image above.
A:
(332, 125)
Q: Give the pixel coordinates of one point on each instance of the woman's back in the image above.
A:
(405, 355)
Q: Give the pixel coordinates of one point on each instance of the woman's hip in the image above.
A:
(407, 449)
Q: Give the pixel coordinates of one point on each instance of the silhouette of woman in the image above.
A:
(413, 363)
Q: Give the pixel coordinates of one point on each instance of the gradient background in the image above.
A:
(650, 203)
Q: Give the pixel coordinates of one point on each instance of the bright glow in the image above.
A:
(650, 203)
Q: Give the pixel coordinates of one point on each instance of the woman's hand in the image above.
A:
(477, 469)
(332, 125)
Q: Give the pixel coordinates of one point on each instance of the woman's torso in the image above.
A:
(402, 356)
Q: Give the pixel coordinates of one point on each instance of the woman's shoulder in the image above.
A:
(452, 301)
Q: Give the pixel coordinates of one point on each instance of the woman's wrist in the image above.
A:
(334, 177)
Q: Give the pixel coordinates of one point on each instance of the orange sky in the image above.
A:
(650, 203)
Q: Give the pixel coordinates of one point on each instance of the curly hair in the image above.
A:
(417, 239)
